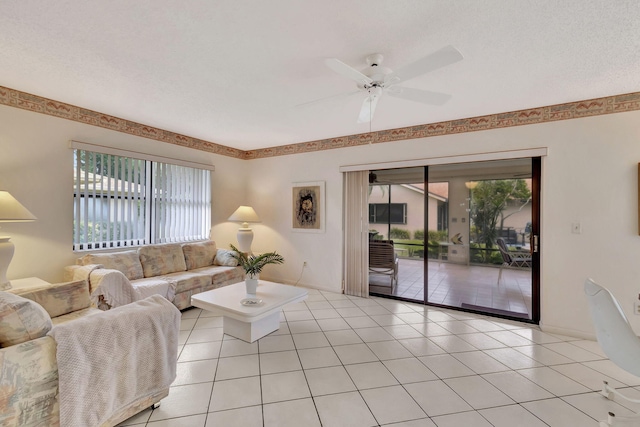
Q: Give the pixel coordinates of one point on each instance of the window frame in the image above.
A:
(191, 187)
(373, 216)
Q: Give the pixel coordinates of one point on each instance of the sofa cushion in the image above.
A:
(223, 257)
(200, 254)
(162, 259)
(61, 298)
(186, 280)
(21, 320)
(220, 275)
(90, 311)
(128, 262)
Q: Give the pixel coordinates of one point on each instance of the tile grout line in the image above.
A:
(420, 310)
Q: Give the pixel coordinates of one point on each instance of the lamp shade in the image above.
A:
(244, 214)
(12, 211)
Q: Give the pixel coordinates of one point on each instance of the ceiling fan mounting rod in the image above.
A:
(375, 59)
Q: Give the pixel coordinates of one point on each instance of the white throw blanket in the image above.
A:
(167, 288)
(116, 290)
(108, 361)
(113, 286)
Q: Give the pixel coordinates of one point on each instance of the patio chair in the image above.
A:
(512, 259)
(618, 341)
(383, 260)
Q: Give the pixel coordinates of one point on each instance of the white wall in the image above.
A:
(589, 175)
(36, 167)
(269, 190)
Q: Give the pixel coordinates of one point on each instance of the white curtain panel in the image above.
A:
(356, 233)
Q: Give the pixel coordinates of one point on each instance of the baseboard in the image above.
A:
(567, 332)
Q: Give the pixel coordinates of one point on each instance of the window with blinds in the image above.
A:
(121, 201)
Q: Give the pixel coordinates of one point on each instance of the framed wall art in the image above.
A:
(307, 207)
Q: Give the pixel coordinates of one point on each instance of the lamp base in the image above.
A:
(245, 238)
(6, 254)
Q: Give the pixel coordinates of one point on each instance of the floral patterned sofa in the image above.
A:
(31, 371)
(175, 271)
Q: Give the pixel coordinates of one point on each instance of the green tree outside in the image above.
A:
(489, 200)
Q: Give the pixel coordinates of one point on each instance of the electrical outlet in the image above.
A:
(636, 307)
(304, 263)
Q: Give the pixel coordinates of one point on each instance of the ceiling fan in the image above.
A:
(376, 80)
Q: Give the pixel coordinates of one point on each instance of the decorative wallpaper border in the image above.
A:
(26, 101)
(571, 110)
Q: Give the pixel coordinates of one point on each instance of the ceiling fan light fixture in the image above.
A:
(375, 91)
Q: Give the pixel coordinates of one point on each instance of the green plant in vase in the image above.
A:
(253, 265)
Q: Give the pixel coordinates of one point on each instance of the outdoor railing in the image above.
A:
(414, 249)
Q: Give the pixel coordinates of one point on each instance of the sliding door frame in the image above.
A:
(535, 154)
(536, 167)
(536, 176)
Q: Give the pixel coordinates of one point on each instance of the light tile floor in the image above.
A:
(346, 361)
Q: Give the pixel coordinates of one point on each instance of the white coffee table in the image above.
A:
(249, 323)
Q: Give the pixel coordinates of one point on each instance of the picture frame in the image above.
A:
(307, 207)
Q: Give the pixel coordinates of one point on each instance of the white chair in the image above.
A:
(512, 259)
(617, 340)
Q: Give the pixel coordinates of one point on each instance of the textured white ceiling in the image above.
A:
(232, 72)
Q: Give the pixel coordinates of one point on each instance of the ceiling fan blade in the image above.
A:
(347, 71)
(441, 58)
(368, 108)
(328, 98)
(419, 95)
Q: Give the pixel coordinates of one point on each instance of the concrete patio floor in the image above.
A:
(457, 284)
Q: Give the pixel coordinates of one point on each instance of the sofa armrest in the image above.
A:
(29, 383)
(70, 272)
(61, 298)
(131, 349)
(81, 272)
(110, 288)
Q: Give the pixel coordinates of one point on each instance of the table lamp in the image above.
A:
(245, 215)
(10, 211)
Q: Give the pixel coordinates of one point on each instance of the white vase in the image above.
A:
(251, 282)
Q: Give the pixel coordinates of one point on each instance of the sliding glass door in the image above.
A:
(462, 235)
(396, 220)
